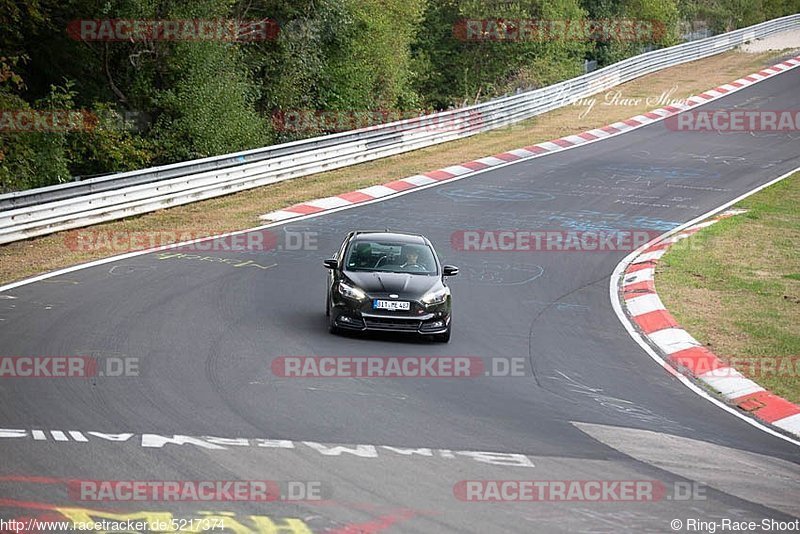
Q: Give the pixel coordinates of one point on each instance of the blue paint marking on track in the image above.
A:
(495, 195)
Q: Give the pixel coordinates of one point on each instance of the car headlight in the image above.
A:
(435, 297)
(351, 292)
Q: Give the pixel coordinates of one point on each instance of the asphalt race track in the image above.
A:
(595, 406)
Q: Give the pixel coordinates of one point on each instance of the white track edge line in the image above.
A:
(616, 303)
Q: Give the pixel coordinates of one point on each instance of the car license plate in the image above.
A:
(390, 305)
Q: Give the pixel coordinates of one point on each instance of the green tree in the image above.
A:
(32, 158)
(659, 19)
(453, 70)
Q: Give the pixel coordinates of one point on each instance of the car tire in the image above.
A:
(332, 328)
(444, 338)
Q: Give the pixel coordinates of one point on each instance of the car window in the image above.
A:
(390, 257)
(340, 252)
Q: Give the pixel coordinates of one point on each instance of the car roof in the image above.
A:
(390, 236)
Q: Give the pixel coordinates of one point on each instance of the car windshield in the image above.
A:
(390, 257)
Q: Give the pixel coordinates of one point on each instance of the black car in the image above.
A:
(390, 282)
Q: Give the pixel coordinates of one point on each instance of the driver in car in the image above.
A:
(412, 257)
(363, 256)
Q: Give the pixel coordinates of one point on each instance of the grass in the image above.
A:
(241, 210)
(735, 287)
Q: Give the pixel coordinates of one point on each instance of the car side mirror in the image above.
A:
(332, 263)
(449, 270)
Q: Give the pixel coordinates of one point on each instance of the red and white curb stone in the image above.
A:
(685, 353)
(533, 151)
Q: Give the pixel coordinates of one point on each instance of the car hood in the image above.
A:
(403, 284)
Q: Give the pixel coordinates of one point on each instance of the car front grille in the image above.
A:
(391, 323)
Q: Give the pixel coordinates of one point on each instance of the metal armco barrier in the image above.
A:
(35, 212)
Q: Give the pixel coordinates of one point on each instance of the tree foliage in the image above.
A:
(159, 101)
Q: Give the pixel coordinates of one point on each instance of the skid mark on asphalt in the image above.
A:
(359, 393)
(624, 407)
(397, 396)
(500, 273)
(559, 306)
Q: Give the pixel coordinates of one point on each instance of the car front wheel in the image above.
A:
(332, 328)
(445, 337)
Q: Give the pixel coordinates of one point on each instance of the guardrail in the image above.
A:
(35, 212)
